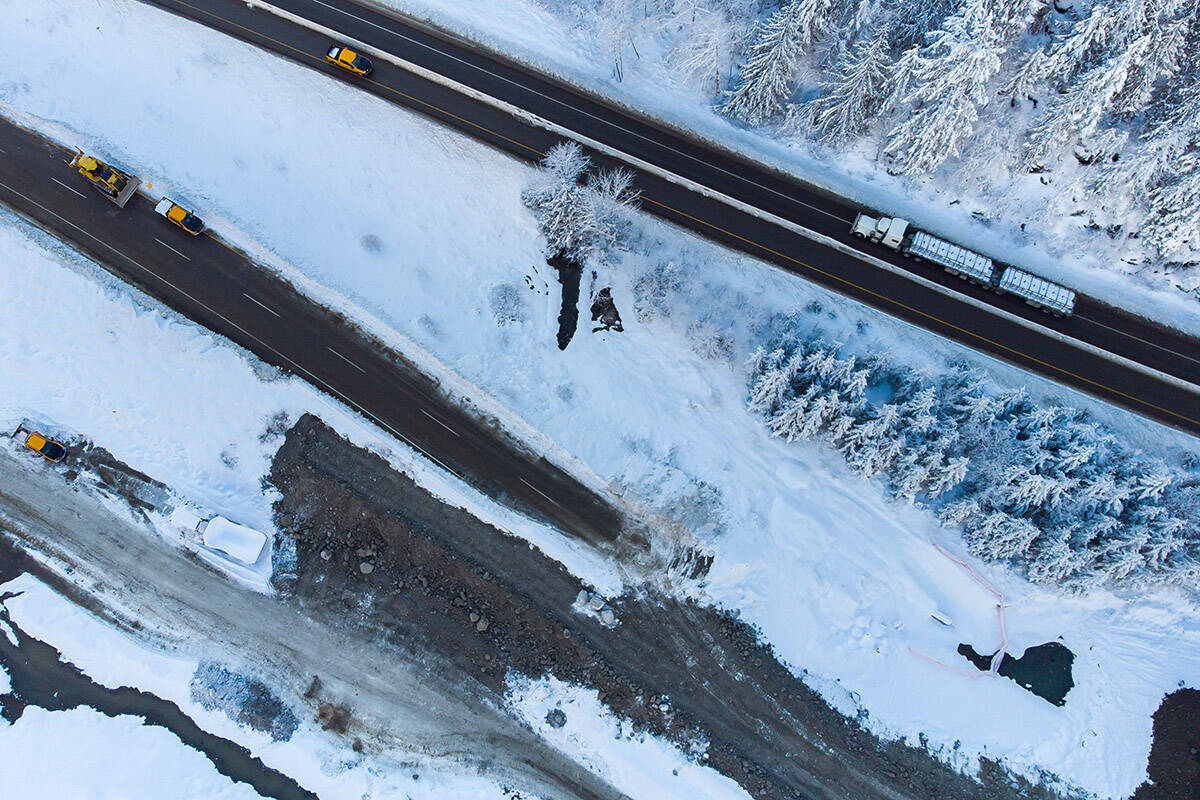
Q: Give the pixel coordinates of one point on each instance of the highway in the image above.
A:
(206, 280)
(1074, 351)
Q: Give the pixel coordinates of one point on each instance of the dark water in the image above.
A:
(41, 678)
(569, 275)
(1044, 670)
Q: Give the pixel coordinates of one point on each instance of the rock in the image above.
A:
(473, 616)
(364, 552)
(482, 625)
(326, 554)
(556, 718)
(357, 746)
(366, 568)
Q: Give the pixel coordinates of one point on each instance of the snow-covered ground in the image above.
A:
(592, 735)
(435, 249)
(82, 753)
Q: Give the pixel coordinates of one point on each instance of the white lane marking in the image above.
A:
(1077, 315)
(68, 188)
(260, 305)
(313, 379)
(2, 150)
(601, 120)
(439, 422)
(348, 361)
(172, 249)
(539, 491)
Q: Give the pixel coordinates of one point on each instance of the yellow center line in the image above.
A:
(764, 248)
(913, 310)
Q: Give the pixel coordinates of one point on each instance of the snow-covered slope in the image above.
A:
(436, 248)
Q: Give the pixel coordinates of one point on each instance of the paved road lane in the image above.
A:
(209, 282)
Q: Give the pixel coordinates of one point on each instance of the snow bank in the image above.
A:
(198, 424)
(564, 42)
(642, 766)
(83, 753)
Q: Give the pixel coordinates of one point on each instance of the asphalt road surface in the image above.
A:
(1101, 326)
(207, 281)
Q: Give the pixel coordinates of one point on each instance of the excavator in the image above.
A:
(109, 181)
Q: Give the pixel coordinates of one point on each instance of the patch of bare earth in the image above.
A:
(378, 549)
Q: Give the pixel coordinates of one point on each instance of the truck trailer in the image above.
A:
(901, 236)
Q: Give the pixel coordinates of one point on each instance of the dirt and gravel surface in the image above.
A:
(1175, 754)
(377, 550)
(400, 709)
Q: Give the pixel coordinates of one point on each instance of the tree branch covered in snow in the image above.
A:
(1046, 489)
(581, 215)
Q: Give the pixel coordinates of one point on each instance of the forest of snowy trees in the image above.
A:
(1099, 98)
(1043, 488)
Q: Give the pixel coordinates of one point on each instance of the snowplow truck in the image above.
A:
(109, 181)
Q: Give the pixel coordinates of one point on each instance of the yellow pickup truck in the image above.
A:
(348, 60)
(180, 216)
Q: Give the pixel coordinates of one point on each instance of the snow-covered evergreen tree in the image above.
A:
(768, 77)
(951, 77)
(854, 92)
(1107, 68)
(705, 37)
(579, 219)
(1043, 487)
(559, 201)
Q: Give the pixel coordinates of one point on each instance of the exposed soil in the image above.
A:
(1175, 754)
(389, 703)
(376, 548)
(604, 312)
(243, 698)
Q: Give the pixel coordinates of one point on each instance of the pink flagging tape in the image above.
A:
(1001, 622)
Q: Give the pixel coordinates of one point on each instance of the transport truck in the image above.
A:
(111, 182)
(901, 236)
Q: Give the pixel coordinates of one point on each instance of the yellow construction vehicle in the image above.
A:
(109, 181)
(45, 446)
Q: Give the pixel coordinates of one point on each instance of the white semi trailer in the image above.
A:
(900, 236)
